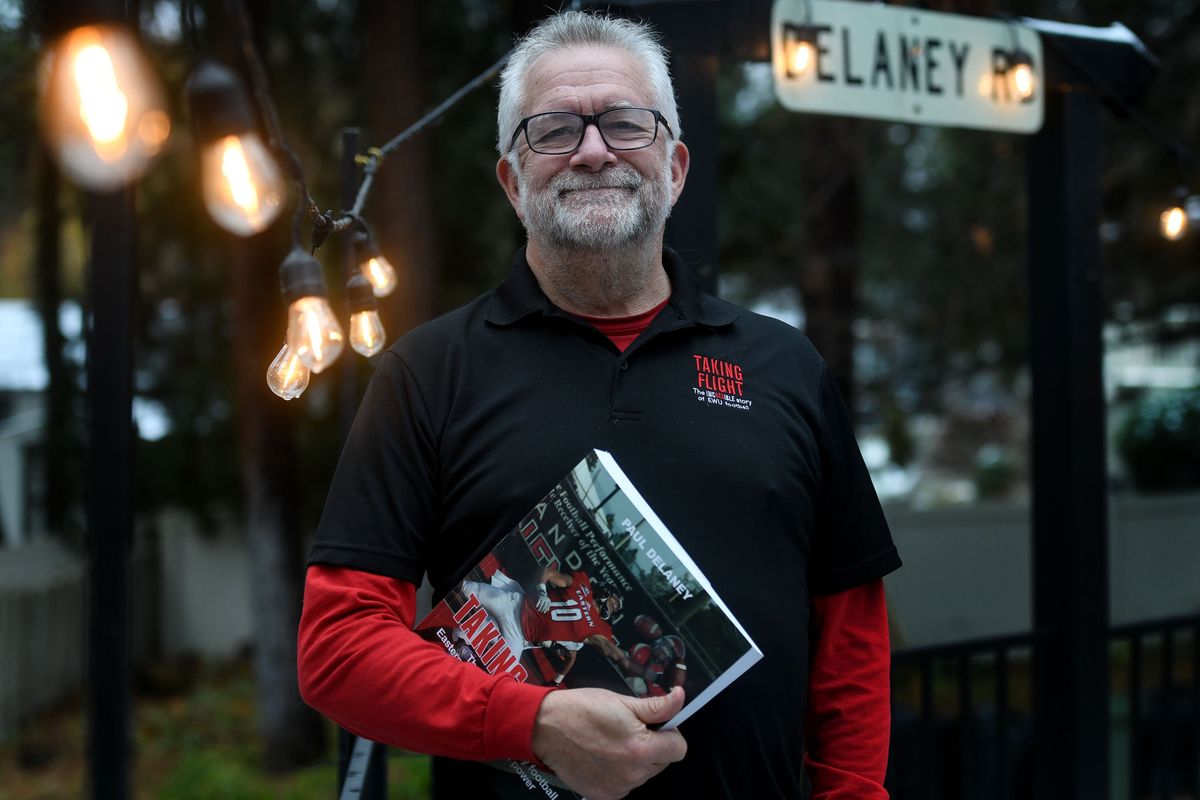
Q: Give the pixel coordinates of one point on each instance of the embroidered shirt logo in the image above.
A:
(720, 383)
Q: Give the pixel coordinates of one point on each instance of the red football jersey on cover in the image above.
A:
(572, 617)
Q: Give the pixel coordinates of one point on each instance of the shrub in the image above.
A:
(1160, 441)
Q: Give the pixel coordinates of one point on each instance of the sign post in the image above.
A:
(906, 65)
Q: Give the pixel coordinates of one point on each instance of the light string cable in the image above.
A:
(325, 223)
(1178, 148)
(307, 207)
(375, 156)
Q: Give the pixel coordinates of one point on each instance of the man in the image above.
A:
(728, 423)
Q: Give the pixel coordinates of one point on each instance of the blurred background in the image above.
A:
(901, 250)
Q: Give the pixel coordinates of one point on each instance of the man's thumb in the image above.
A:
(654, 710)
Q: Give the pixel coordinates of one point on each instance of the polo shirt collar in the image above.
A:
(519, 296)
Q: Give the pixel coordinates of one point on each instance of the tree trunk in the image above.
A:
(292, 734)
(401, 207)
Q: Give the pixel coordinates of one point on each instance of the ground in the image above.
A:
(195, 743)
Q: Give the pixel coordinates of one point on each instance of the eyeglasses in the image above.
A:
(557, 133)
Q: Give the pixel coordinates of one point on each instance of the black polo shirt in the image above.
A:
(729, 424)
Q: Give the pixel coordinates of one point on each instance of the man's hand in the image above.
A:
(598, 743)
(543, 601)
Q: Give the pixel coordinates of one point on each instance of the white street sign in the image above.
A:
(887, 62)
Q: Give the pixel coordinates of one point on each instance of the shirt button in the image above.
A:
(624, 365)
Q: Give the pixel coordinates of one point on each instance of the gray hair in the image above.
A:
(579, 29)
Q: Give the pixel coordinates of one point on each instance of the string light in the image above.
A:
(313, 332)
(366, 329)
(287, 376)
(1022, 75)
(374, 267)
(800, 49)
(102, 109)
(1173, 223)
(242, 185)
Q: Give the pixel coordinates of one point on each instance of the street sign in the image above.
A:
(923, 67)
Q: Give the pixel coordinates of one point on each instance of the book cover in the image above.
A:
(592, 590)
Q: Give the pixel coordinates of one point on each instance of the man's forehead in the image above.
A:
(589, 78)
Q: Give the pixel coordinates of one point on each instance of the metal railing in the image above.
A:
(963, 722)
(1161, 683)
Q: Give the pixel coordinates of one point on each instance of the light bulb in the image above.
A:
(287, 376)
(1173, 223)
(379, 271)
(313, 333)
(102, 110)
(1023, 81)
(243, 188)
(366, 333)
(800, 56)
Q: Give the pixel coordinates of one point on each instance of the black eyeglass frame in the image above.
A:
(591, 119)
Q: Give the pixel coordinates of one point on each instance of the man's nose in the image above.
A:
(593, 153)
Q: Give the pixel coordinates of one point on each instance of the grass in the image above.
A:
(198, 744)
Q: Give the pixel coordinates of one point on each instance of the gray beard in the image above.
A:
(566, 218)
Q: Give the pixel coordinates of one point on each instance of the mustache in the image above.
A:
(621, 177)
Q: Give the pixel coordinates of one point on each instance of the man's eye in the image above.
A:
(555, 134)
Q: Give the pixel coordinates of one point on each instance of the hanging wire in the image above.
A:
(1182, 151)
(325, 223)
(187, 17)
(375, 156)
(307, 207)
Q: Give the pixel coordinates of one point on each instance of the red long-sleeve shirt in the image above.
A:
(361, 664)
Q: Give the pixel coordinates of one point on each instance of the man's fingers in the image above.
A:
(654, 710)
(667, 747)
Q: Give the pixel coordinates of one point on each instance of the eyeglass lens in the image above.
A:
(561, 132)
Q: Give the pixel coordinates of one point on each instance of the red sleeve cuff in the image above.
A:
(512, 709)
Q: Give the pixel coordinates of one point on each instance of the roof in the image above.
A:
(22, 358)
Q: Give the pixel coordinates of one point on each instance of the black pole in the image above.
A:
(1070, 509)
(692, 227)
(374, 785)
(110, 492)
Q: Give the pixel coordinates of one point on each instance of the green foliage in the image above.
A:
(1160, 441)
(995, 472)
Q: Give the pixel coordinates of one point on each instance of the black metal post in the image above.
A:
(1070, 509)
(692, 228)
(374, 786)
(110, 493)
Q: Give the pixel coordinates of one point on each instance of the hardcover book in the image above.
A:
(592, 590)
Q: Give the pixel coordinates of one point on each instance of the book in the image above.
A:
(591, 589)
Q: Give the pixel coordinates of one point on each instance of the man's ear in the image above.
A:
(507, 176)
(680, 159)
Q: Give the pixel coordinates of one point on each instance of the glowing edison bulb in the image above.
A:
(102, 110)
(313, 333)
(379, 271)
(287, 376)
(1173, 223)
(800, 56)
(243, 188)
(366, 333)
(1023, 81)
